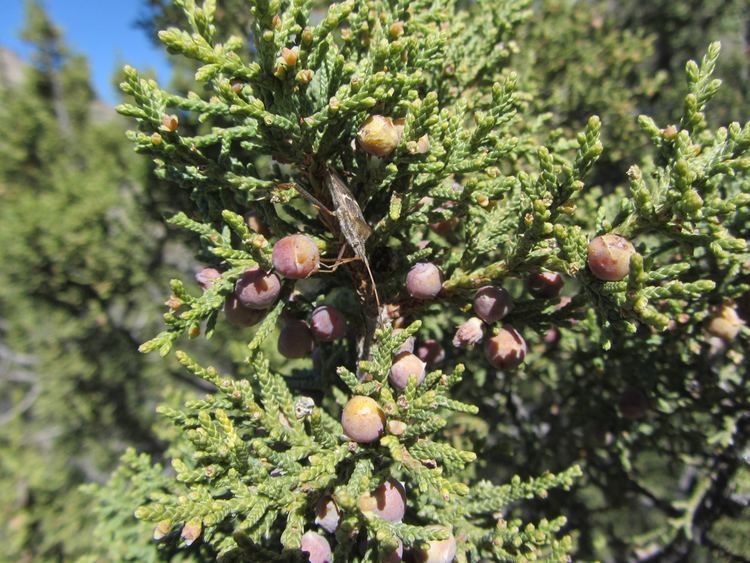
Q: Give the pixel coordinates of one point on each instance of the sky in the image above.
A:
(102, 30)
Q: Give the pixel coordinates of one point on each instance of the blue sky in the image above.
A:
(103, 30)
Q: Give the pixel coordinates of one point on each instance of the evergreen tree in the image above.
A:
(679, 31)
(639, 382)
(394, 140)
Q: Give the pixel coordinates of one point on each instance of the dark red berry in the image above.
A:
(431, 352)
(296, 256)
(507, 349)
(424, 281)
(295, 340)
(390, 501)
(207, 276)
(609, 257)
(404, 366)
(545, 285)
(239, 315)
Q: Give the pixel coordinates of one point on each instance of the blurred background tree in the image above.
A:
(83, 260)
(680, 31)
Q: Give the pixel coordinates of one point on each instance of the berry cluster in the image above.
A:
(256, 291)
(297, 257)
(388, 502)
(505, 349)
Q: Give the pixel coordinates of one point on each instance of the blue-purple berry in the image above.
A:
(545, 285)
(296, 256)
(327, 323)
(506, 350)
(295, 340)
(239, 315)
(404, 366)
(492, 303)
(257, 289)
(424, 281)
(431, 352)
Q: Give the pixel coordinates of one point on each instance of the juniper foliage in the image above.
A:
(627, 380)
(252, 460)
(279, 458)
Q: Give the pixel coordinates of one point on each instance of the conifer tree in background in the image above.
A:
(584, 64)
(383, 174)
(679, 30)
(83, 258)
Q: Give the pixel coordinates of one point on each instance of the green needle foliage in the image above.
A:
(259, 457)
(493, 140)
(395, 133)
